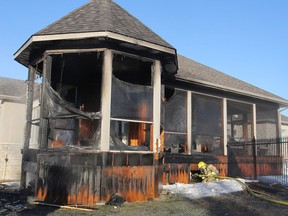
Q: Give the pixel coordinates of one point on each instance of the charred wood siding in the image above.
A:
(85, 183)
(174, 173)
(178, 167)
(243, 166)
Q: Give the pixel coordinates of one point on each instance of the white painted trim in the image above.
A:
(106, 100)
(79, 36)
(224, 119)
(189, 122)
(205, 94)
(129, 120)
(156, 74)
(171, 132)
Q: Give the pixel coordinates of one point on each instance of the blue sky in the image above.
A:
(246, 39)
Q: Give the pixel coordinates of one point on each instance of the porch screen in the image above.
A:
(71, 100)
(266, 122)
(239, 122)
(175, 125)
(131, 104)
(69, 126)
(131, 101)
(207, 126)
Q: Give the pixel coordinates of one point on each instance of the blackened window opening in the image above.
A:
(132, 70)
(76, 77)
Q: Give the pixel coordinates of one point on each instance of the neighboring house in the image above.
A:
(12, 121)
(284, 126)
(121, 112)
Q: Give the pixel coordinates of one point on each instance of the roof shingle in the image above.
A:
(103, 15)
(12, 87)
(193, 71)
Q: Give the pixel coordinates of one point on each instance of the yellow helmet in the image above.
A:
(201, 164)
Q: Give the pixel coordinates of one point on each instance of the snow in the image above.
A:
(280, 179)
(277, 179)
(205, 189)
(212, 189)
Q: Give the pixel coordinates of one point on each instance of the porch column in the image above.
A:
(43, 125)
(106, 100)
(156, 73)
(29, 106)
(224, 119)
(189, 122)
(29, 109)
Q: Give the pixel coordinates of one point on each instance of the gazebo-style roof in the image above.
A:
(99, 20)
(103, 16)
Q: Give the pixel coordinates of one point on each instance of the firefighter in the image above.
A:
(208, 172)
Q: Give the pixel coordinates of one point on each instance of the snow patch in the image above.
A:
(205, 189)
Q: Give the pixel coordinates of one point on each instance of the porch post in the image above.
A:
(43, 125)
(189, 122)
(224, 118)
(156, 73)
(29, 108)
(106, 100)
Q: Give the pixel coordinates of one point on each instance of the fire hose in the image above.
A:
(248, 189)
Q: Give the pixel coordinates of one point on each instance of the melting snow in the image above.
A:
(205, 189)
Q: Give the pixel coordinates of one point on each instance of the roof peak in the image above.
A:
(103, 16)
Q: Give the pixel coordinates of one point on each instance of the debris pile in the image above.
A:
(10, 198)
(116, 200)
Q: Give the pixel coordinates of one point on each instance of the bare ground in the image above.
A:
(240, 203)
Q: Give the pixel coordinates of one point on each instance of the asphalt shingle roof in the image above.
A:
(107, 16)
(193, 71)
(12, 87)
(103, 15)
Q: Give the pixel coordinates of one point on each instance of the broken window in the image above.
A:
(131, 104)
(175, 126)
(73, 100)
(207, 124)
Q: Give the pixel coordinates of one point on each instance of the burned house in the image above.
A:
(121, 112)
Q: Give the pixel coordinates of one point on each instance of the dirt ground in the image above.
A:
(240, 203)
